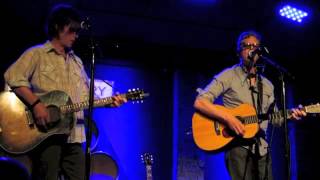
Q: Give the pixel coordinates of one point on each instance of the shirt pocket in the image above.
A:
(48, 75)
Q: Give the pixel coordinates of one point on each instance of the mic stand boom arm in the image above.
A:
(281, 69)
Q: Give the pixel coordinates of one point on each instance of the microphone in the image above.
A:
(252, 53)
(85, 24)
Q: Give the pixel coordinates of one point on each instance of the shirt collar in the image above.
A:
(49, 48)
(242, 72)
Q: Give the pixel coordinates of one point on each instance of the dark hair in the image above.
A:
(245, 35)
(60, 16)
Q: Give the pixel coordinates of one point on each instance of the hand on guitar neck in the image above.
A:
(298, 113)
(118, 100)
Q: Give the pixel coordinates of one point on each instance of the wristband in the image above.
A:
(35, 103)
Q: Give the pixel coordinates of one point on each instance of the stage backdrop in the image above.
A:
(136, 128)
(161, 125)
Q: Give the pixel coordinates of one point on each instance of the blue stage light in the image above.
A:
(293, 13)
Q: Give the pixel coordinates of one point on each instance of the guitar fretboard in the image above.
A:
(248, 119)
(84, 105)
(263, 117)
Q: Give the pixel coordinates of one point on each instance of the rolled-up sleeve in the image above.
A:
(219, 84)
(20, 72)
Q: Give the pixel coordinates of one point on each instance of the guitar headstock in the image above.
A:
(136, 95)
(147, 159)
(315, 108)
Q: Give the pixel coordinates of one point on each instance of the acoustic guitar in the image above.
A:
(210, 135)
(147, 160)
(18, 131)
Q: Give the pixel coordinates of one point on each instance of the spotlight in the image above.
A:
(293, 13)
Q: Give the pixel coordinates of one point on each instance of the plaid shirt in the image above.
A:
(43, 70)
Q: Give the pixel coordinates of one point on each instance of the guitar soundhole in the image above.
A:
(54, 116)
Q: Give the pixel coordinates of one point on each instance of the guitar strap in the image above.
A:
(258, 105)
(260, 94)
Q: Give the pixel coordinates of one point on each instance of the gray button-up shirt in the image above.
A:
(233, 86)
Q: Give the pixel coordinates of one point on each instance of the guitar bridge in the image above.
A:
(29, 117)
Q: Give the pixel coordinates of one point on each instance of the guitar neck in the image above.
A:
(149, 172)
(276, 115)
(263, 117)
(84, 105)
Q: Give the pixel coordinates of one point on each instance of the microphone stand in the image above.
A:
(90, 109)
(282, 71)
